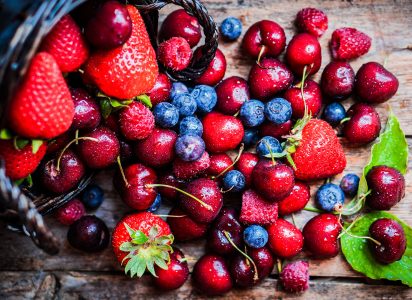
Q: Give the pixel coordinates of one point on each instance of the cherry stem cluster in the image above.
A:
(69, 144)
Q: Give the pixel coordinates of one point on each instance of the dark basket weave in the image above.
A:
(23, 24)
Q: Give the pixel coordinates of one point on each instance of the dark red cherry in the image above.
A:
(231, 93)
(218, 163)
(246, 164)
(183, 227)
(170, 179)
(338, 80)
(176, 274)
(304, 50)
(277, 131)
(216, 70)
(312, 95)
(86, 110)
(161, 90)
(285, 239)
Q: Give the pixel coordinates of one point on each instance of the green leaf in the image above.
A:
(145, 100)
(35, 145)
(150, 266)
(153, 232)
(105, 108)
(160, 263)
(117, 103)
(359, 256)
(5, 134)
(127, 247)
(20, 143)
(139, 238)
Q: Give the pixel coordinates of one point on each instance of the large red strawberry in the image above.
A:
(127, 71)
(20, 163)
(319, 153)
(42, 107)
(140, 241)
(67, 45)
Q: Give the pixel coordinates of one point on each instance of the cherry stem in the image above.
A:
(356, 236)
(228, 190)
(262, 50)
(279, 265)
(207, 206)
(270, 152)
(69, 144)
(119, 163)
(171, 216)
(76, 136)
(293, 219)
(302, 84)
(242, 147)
(227, 235)
(344, 120)
(312, 209)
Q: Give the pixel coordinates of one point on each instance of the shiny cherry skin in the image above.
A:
(304, 50)
(231, 93)
(176, 274)
(216, 70)
(218, 163)
(297, 199)
(246, 164)
(338, 80)
(86, 110)
(285, 240)
(161, 90)
(185, 228)
(169, 178)
(275, 130)
(312, 95)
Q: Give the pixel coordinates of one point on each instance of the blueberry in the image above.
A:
(329, 196)
(185, 103)
(252, 113)
(205, 97)
(92, 196)
(266, 143)
(278, 111)
(250, 137)
(255, 236)
(334, 113)
(178, 88)
(191, 125)
(166, 114)
(234, 181)
(156, 204)
(189, 147)
(231, 28)
(349, 184)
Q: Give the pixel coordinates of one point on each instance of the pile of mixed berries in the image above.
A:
(170, 141)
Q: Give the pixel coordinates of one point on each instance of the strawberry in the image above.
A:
(67, 45)
(136, 121)
(42, 107)
(140, 241)
(190, 169)
(319, 153)
(127, 71)
(349, 43)
(256, 210)
(312, 20)
(20, 163)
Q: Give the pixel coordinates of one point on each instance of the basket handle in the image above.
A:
(198, 10)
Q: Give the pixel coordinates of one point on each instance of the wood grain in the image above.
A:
(74, 275)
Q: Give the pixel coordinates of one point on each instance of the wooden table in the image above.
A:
(26, 272)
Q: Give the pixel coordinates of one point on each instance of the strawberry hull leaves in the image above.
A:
(359, 256)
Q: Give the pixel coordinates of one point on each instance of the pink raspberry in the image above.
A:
(70, 212)
(295, 277)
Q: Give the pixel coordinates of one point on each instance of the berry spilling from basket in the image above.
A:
(232, 157)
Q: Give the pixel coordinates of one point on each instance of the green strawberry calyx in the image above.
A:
(18, 142)
(109, 104)
(146, 251)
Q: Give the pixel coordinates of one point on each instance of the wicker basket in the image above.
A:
(23, 24)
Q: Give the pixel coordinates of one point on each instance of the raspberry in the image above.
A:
(256, 210)
(295, 277)
(136, 121)
(175, 53)
(312, 20)
(70, 212)
(349, 43)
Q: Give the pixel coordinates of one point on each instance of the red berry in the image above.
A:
(176, 273)
(190, 169)
(86, 110)
(275, 130)
(312, 95)
(246, 164)
(179, 23)
(256, 210)
(269, 78)
(304, 50)
(285, 240)
(169, 179)
(364, 124)
(185, 228)
(136, 121)
(295, 277)
(297, 199)
(158, 149)
(312, 20)
(175, 54)
(349, 43)
(231, 93)
(161, 90)
(338, 79)
(70, 212)
(216, 70)
(218, 163)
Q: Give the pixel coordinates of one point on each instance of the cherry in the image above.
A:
(86, 110)
(180, 24)
(375, 84)
(231, 93)
(264, 261)
(133, 186)
(59, 142)
(275, 130)
(227, 221)
(273, 181)
(62, 174)
(219, 163)
(312, 97)
(158, 149)
(364, 124)
(264, 38)
(246, 164)
(176, 274)
(88, 234)
(321, 236)
(126, 151)
(304, 50)
(110, 26)
(216, 70)
(338, 80)
(185, 228)
(185, 170)
(387, 187)
(285, 240)
(169, 179)
(211, 275)
(161, 90)
(297, 199)
(269, 78)
(221, 133)
(70, 212)
(101, 153)
(112, 122)
(391, 238)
